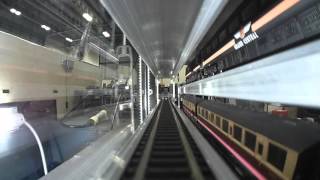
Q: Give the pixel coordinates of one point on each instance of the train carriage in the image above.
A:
(189, 103)
(288, 148)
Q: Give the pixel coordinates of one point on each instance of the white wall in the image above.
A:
(33, 72)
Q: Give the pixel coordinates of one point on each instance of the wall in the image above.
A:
(165, 82)
(32, 72)
(182, 75)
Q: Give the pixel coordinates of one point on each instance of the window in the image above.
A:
(260, 149)
(212, 118)
(225, 126)
(277, 156)
(237, 132)
(218, 121)
(250, 140)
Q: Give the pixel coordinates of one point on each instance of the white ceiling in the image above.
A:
(164, 32)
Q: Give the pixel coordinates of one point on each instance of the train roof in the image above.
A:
(192, 98)
(295, 134)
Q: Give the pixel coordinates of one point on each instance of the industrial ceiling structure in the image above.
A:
(165, 33)
(60, 23)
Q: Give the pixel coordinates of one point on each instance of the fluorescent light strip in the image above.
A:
(140, 90)
(273, 13)
(148, 89)
(243, 161)
(220, 51)
(269, 16)
(87, 17)
(209, 11)
(45, 27)
(68, 39)
(157, 90)
(105, 34)
(196, 68)
(173, 89)
(188, 74)
(14, 11)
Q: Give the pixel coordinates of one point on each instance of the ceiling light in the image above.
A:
(14, 11)
(47, 28)
(196, 68)
(18, 13)
(106, 34)
(69, 39)
(87, 17)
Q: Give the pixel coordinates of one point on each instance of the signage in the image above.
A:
(244, 36)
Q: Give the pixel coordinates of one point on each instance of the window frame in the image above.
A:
(246, 140)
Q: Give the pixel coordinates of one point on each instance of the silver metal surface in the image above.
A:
(164, 32)
(103, 159)
(290, 77)
(215, 162)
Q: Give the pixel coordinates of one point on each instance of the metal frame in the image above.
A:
(291, 77)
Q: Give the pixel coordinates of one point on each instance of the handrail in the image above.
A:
(115, 110)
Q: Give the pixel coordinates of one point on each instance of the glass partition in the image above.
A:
(71, 79)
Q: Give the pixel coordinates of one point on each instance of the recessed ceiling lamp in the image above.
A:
(69, 39)
(105, 34)
(47, 28)
(14, 11)
(87, 17)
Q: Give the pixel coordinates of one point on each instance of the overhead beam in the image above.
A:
(291, 77)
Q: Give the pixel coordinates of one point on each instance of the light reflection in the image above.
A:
(10, 120)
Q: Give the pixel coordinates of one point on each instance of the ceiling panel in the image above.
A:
(164, 32)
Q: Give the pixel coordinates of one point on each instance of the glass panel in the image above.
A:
(218, 121)
(67, 80)
(250, 140)
(225, 126)
(237, 132)
(260, 149)
(277, 156)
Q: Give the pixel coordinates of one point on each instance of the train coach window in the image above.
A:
(218, 121)
(225, 125)
(212, 118)
(206, 114)
(277, 156)
(250, 140)
(260, 149)
(237, 132)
